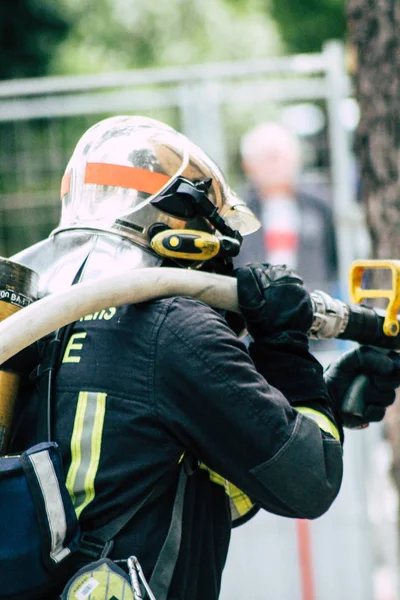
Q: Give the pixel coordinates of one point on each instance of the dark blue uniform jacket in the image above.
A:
(140, 385)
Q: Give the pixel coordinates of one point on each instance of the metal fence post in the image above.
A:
(201, 121)
(341, 158)
(352, 503)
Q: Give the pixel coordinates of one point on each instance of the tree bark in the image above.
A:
(374, 35)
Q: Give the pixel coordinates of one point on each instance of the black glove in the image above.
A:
(272, 300)
(373, 393)
(278, 313)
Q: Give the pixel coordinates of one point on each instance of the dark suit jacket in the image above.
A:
(317, 254)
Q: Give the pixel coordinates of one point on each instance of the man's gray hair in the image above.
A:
(268, 136)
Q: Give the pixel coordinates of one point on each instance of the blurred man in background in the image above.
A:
(297, 228)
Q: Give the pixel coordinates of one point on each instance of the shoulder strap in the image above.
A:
(112, 529)
(108, 532)
(52, 357)
(100, 542)
(161, 577)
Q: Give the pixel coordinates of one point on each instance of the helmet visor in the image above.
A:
(239, 216)
(242, 219)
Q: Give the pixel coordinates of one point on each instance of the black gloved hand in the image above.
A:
(381, 369)
(272, 300)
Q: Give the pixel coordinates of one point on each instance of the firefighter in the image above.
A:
(160, 406)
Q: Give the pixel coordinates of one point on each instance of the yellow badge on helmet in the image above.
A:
(101, 580)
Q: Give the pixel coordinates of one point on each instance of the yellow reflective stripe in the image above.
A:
(215, 478)
(240, 503)
(76, 444)
(95, 452)
(85, 448)
(321, 420)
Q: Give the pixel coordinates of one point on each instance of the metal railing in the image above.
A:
(41, 119)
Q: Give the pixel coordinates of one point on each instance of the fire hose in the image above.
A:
(333, 318)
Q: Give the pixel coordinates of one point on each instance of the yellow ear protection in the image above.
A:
(186, 200)
(190, 244)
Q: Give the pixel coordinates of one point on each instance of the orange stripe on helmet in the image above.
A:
(134, 178)
(65, 184)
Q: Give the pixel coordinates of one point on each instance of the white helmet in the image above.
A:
(136, 176)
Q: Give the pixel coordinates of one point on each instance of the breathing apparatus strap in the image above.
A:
(161, 577)
(99, 543)
(48, 366)
(51, 361)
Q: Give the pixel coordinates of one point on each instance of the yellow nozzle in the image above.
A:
(358, 293)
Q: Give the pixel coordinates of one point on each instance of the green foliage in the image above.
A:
(121, 34)
(118, 34)
(29, 31)
(306, 24)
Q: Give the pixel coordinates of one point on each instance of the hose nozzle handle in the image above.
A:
(353, 406)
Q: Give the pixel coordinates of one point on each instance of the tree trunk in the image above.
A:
(374, 35)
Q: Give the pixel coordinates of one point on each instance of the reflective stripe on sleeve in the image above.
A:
(54, 506)
(240, 503)
(321, 420)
